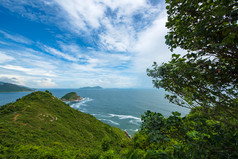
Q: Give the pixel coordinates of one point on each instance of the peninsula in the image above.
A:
(8, 87)
(72, 96)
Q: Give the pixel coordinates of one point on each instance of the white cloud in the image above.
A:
(3, 43)
(16, 38)
(43, 72)
(46, 83)
(83, 13)
(117, 38)
(101, 63)
(46, 10)
(29, 61)
(125, 7)
(106, 80)
(17, 68)
(107, 60)
(5, 58)
(74, 48)
(127, 36)
(58, 53)
(115, 19)
(45, 65)
(151, 45)
(12, 79)
(33, 82)
(29, 71)
(85, 68)
(121, 32)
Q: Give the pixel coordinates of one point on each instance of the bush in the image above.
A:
(105, 144)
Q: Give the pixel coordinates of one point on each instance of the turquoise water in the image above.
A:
(121, 108)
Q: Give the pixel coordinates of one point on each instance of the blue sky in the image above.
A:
(76, 43)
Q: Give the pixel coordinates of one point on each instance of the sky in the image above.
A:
(77, 43)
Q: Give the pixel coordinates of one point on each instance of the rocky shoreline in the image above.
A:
(73, 100)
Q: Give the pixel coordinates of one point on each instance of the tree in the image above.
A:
(207, 75)
(209, 27)
(204, 80)
(196, 135)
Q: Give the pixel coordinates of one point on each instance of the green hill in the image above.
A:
(8, 87)
(72, 96)
(40, 125)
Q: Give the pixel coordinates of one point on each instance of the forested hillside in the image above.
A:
(40, 125)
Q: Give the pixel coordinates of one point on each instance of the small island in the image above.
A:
(91, 88)
(71, 97)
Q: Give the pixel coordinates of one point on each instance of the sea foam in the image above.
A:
(81, 103)
(135, 122)
(125, 117)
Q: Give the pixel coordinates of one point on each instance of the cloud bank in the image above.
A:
(84, 43)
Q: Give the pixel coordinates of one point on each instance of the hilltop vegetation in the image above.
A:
(72, 96)
(40, 125)
(8, 87)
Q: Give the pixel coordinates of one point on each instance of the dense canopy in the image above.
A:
(207, 75)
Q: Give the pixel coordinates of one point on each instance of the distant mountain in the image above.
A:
(40, 125)
(96, 87)
(8, 87)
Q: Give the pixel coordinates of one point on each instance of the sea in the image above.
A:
(120, 108)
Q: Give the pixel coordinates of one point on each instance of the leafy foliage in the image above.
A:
(209, 27)
(196, 135)
(194, 82)
(40, 125)
(208, 77)
(204, 80)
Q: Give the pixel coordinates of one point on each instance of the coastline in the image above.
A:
(17, 91)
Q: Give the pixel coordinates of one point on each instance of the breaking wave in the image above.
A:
(81, 103)
(125, 117)
(131, 130)
(134, 120)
